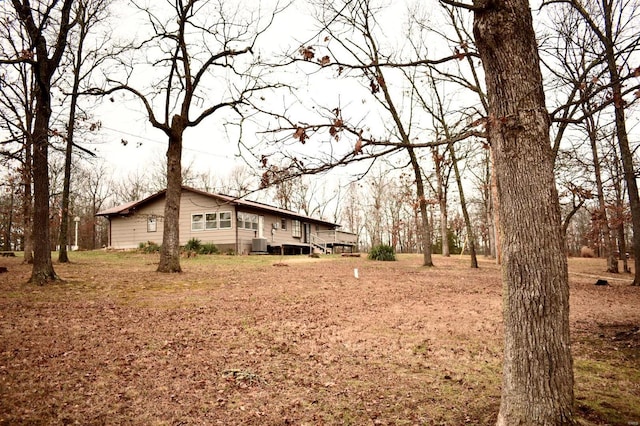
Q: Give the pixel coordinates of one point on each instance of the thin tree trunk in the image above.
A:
(425, 227)
(444, 229)
(63, 239)
(7, 231)
(66, 185)
(537, 371)
(442, 202)
(27, 201)
(465, 211)
(170, 251)
(612, 261)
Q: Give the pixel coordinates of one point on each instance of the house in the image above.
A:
(232, 224)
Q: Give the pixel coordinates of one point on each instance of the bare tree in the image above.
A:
(47, 26)
(195, 43)
(17, 113)
(611, 23)
(83, 61)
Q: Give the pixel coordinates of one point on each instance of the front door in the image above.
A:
(306, 232)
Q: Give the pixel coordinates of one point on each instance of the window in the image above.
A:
(295, 228)
(224, 220)
(283, 223)
(247, 221)
(211, 221)
(152, 223)
(197, 222)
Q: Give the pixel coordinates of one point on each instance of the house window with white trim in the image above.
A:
(247, 221)
(197, 222)
(211, 221)
(152, 223)
(295, 229)
(224, 220)
(283, 224)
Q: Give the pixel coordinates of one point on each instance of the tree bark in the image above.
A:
(42, 271)
(537, 372)
(170, 251)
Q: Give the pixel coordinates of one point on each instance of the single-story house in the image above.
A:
(232, 224)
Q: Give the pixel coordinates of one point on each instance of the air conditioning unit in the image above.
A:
(259, 245)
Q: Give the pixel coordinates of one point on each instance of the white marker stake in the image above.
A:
(355, 272)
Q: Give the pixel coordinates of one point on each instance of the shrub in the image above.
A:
(382, 252)
(149, 247)
(193, 244)
(587, 252)
(208, 248)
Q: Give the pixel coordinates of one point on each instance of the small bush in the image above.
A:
(149, 247)
(208, 248)
(587, 252)
(382, 252)
(193, 244)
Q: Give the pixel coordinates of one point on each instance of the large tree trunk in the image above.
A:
(170, 252)
(537, 373)
(42, 271)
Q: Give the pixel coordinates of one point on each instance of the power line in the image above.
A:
(164, 142)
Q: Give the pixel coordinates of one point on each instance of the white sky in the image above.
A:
(208, 147)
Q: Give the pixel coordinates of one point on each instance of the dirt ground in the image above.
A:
(260, 340)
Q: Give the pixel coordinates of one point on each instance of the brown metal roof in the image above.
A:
(128, 208)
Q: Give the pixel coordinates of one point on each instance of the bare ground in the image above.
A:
(293, 340)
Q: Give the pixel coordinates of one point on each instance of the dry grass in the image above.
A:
(237, 340)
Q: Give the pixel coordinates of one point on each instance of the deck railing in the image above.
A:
(337, 237)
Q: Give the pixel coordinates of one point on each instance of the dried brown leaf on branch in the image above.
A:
(300, 134)
(325, 60)
(307, 53)
(358, 148)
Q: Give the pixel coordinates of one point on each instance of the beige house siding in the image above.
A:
(192, 203)
(128, 232)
